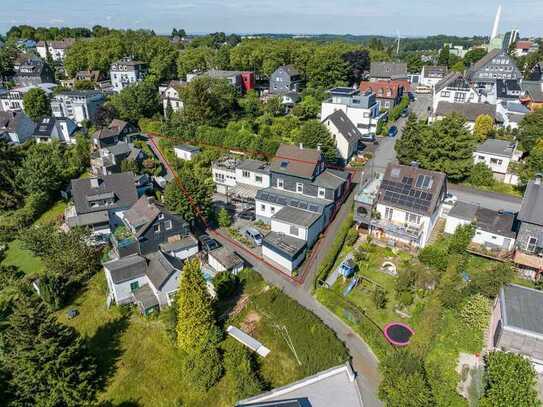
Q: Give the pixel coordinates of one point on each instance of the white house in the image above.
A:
(432, 75)
(498, 155)
(171, 96)
(284, 250)
(454, 88)
(54, 128)
(493, 229)
(126, 72)
(12, 101)
(298, 223)
(80, 105)
(240, 179)
(186, 151)
(56, 49)
(523, 48)
(344, 133)
(150, 282)
(222, 259)
(361, 109)
(510, 113)
(408, 202)
(470, 111)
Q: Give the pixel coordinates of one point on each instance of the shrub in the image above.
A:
(405, 298)
(224, 218)
(434, 256)
(460, 240)
(203, 368)
(475, 311)
(379, 298)
(352, 237)
(488, 282)
(481, 175)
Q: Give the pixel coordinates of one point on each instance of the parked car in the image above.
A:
(392, 131)
(450, 199)
(370, 137)
(254, 236)
(404, 113)
(248, 214)
(207, 243)
(411, 96)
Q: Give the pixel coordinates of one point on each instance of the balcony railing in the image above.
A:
(401, 230)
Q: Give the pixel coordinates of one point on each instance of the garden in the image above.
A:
(444, 294)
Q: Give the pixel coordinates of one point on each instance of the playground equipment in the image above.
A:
(398, 333)
(350, 287)
(389, 268)
(347, 268)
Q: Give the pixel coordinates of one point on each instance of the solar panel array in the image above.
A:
(281, 200)
(406, 195)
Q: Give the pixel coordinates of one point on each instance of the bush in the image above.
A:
(460, 240)
(405, 298)
(489, 282)
(379, 298)
(352, 237)
(481, 175)
(434, 256)
(204, 369)
(475, 310)
(226, 285)
(224, 218)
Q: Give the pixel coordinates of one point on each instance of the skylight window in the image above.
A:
(424, 182)
(284, 164)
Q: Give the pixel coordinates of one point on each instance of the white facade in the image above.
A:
(286, 263)
(12, 101)
(265, 210)
(219, 267)
(309, 234)
(78, 106)
(185, 154)
(255, 179)
(455, 95)
(122, 292)
(170, 95)
(480, 237)
(365, 119)
(227, 174)
(126, 72)
(345, 148)
(57, 49)
(499, 165)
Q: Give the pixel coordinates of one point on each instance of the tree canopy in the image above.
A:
(136, 101)
(36, 104)
(314, 134)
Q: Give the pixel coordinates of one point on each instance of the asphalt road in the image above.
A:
(489, 200)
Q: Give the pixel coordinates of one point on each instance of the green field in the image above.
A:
(18, 256)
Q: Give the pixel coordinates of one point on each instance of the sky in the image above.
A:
(408, 17)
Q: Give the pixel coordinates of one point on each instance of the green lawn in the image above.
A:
(139, 364)
(18, 256)
(500, 188)
(53, 214)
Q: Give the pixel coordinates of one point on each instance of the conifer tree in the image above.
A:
(47, 362)
(408, 146)
(240, 370)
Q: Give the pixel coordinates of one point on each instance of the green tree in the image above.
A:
(308, 108)
(404, 381)
(47, 362)
(475, 311)
(484, 127)
(8, 54)
(379, 298)
(488, 283)
(458, 67)
(533, 164)
(443, 58)
(510, 381)
(224, 218)
(461, 238)
(408, 146)
(358, 62)
(327, 67)
(36, 104)
(136, 101)
(208, 101)
(274, 106)
(241, 371)
(200, 192)
(250, 104)
(474, 55)
(314, 134)
(195, 60)
(10, 190)
(531, 130)
(481, 175)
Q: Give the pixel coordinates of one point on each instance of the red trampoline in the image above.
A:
(398, 334)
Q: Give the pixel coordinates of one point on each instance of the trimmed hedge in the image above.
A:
(335, 248)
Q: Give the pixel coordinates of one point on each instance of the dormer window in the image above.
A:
(161, 216)
(280, 183)
(299, 187)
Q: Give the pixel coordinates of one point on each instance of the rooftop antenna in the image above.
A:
(496, 26)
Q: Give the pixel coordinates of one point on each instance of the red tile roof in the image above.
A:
(383, 89)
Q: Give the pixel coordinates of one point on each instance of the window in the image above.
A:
(280, 183)
(412, 218)
(219, 177)
(496, 161)
(321, 192)
(481, 157)
(300, 187)
(258, 179)
(245, 174)
(388, 213)
(168, 225)
(532, 244)
(294, 230)
(134, 286)
(424, 182)
(156, 228)
(262, 207)
(272, 209)
(445, 94)
(459, 97)
(161, 216)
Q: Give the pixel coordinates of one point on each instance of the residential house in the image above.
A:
(118, 130)
(299, 203)
(148, 227)
(507, 90)
(454, 88)
(498, 156)
(523, 48)
(336, 386)
(290, 99)
(16, 127)
(98, 201)
(240, 180)
(12, 100)
(286, 79)
(510, 113)
(186, 151)
(78, 105)
(536, 73)
(408, 205)
(345, 134)
(150, 282)
(457, 50)
(365, 197)
(494, 230)
(532, 94)
(61, 129)
(388, 93)
(126, 72)
(224, 260)
(529, 248)
(516, 323)
(387, 71)
(55, 49)
(431, 75)
(497, 64)
(171, 96)
(470, 111)
(89, 75)
(109, 159)
(361, 108)
(33, 72)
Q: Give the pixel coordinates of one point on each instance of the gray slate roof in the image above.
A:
(463, 210)
(120, 185)
(296, 216)
(388, 70)
(187, 147)
(486, 219)
(290, 69)
(344, 125)
(183, 243)
(254, 165)
(522, 308)
(469, 110)
(282, 243)
(286, 198)
(226, 257)
(531, 209)
(126, 268)
(292, 160)
(434, 71)
(87, 219)
(534, 89)
(9, 121)
(452, 79)
(145, 297)
(160, 267)
(501, 148)
(332, 179)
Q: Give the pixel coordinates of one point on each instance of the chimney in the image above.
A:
(95, 183)
(538, 178)
(415, 164)
(301, 145)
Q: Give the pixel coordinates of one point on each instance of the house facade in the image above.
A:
(431, 75)
(126, 72)
(80, 106)
(171, 96)
(408, 205)
(387, 93)
(497, 64)
(286, 79)
(523, 48)
(55, 49)
(186, 152)
(33, 72)
(12, 100)
(344, 133)
(54, 128)
(529, 248)
(387, 71)
(532, 94)
(16, 127)
(108, 160)
(362, 109)
(223, 260)
(118, 130)
(454, 88)
(470, 111)
(498, 155)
